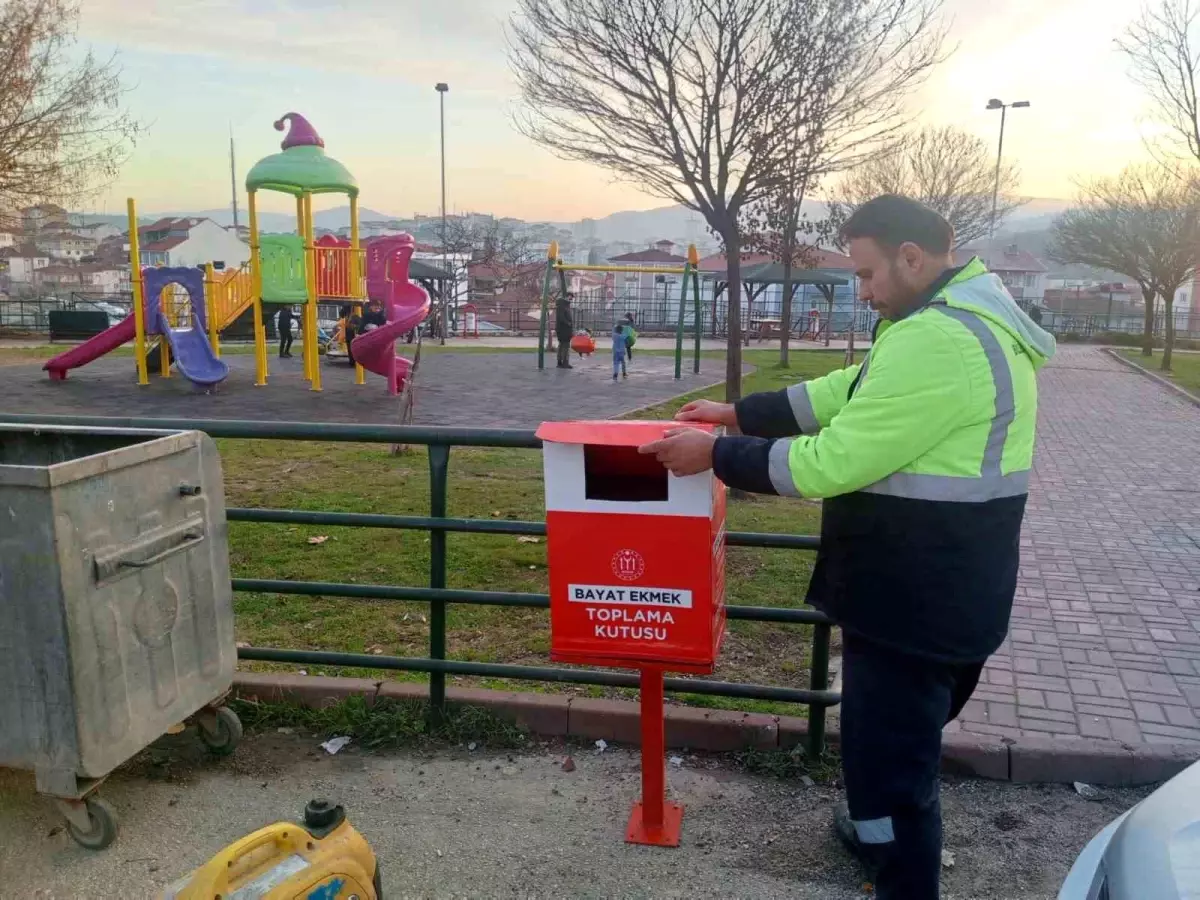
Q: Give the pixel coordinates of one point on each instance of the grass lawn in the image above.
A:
(483, 483)
(1185, 367)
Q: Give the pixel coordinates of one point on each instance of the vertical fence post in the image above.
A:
(818, 680)
(551, 258)
(439, 465)
(698, 313)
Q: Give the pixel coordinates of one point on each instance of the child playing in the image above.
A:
(630, 336)
(618, 351)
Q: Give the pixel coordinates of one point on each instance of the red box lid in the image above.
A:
(621, 433)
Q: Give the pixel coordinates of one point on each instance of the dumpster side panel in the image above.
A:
(149, 605)
(37, 725)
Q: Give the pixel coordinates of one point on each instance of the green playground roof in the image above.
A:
(301, 170)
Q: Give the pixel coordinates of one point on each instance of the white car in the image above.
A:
(1150, 852)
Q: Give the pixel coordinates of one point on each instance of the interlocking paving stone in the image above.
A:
(1105, 635)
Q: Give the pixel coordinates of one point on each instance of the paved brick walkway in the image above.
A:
(1105, 638)
(481, 390)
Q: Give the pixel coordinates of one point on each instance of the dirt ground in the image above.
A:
(459, 824)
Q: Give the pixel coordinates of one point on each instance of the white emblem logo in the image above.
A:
(628, 565)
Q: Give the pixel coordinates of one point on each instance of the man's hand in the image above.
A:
(684, 451)
(708, 411)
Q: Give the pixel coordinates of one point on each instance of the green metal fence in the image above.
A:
(439, 442)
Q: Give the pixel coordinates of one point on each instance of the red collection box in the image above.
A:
(637, 555)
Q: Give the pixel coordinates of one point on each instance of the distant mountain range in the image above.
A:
(674, 222)
(333, 219)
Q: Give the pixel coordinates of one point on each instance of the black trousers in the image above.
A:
(894, 707)
(564, 353)
(285, 341)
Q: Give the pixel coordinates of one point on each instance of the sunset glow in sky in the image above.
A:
(363, 72)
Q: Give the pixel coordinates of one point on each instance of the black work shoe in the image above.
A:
(843, 826)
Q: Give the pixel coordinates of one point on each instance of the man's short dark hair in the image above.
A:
(891, 220)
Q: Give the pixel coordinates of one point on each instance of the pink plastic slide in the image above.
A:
(406, 305)
(93, 348)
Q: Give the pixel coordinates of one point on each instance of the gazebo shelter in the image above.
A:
(757, 277)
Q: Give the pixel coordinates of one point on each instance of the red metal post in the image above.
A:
(653, 820)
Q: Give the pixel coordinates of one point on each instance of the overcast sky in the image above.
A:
(363, 72)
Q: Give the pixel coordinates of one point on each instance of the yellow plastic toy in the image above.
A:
(325, 859)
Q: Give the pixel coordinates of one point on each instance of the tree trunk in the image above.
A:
(785, 310)
(733, 338)
(1169, 329)
(1148, 322)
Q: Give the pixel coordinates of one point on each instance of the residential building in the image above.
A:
(105, 278)
(59, 278)
(507, 296)
(639, 292)
(7, 239)
(1187, 306)
(65, 245)
(113, 251)
(99, 231)
(189, 241)
(23, 262)
(1022, 273)
(44, 217)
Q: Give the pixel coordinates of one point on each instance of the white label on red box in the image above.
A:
(614, 595)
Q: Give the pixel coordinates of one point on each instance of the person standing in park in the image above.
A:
(922, 454)
(630, 335)
(284, 326)
(620, 347)
(564, 328)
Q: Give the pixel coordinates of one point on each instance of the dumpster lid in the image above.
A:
(623, 433)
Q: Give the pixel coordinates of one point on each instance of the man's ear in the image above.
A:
(911, 256)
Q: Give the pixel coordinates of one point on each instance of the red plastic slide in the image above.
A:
(92, 348)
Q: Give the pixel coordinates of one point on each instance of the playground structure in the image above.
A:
(298, 269)
(690, 280)
(186, 309)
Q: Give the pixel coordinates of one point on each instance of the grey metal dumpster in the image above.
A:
(116, 612)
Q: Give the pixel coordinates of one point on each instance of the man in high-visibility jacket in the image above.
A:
(922, 454)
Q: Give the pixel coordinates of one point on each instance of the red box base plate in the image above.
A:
(666, 836)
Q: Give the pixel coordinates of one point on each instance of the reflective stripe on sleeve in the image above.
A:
(780, 471)
(802, 408)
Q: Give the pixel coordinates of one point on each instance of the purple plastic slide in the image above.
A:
(194, 356)
(93, 348)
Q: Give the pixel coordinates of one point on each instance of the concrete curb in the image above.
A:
(1025, 759)
(1165, 382)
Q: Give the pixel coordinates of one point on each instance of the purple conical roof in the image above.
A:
(301, 133)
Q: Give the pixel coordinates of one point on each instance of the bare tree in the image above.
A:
(690, 99)
(947, 169)
(1164, 54)
(63, 132)
(471, 243)
(1144, 224)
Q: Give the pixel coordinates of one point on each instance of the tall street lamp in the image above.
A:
(1003, 107)
(441, 87)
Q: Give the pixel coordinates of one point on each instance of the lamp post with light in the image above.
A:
(441, 87)
(1003, 107)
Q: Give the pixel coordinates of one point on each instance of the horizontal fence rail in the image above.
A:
(439, 441)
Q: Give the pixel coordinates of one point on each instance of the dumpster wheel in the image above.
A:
(220, 730)
(102, 825)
